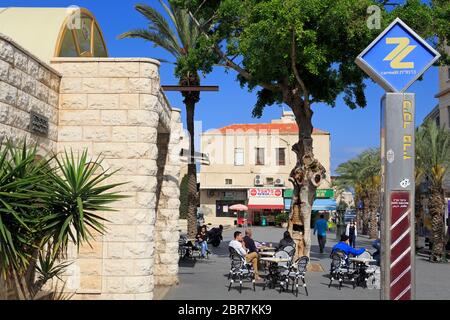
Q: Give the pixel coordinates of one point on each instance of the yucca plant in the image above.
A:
(44, 204)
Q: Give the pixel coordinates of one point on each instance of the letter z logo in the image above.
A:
(400, 52)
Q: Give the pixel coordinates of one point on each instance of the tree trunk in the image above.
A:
(373, 208)
(417, 216)
(190, 99)
(305, 177)
(437, 210)
(365, 216)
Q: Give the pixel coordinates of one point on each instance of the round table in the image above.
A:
(272, 277)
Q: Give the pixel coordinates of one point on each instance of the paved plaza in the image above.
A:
(208, 279)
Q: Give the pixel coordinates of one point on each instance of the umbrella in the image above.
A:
(239, 207)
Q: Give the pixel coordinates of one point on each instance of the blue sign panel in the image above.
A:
(397, 57)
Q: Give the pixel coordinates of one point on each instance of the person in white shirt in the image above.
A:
(238, 244)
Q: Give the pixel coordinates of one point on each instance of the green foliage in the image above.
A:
(360, 172)
(184, 197)
(255, 38)
(44, 203)
(281, 217)
(432, 152)
(182, 41)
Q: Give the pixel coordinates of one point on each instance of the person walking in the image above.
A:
(321, 227)
(351, 232)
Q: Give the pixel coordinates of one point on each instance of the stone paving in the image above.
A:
(207, 279)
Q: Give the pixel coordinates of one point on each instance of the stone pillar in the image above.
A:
(167, 233)
(114, 107)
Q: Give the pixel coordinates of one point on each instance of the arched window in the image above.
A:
(81, 37)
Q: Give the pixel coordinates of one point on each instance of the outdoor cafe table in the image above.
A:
(267, 253)
(266, 248)
(272, 276)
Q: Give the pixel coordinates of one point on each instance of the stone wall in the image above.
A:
(167, 216)
(26, 85)
(115, 108)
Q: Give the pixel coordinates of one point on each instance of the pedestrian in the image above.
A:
(351, 232)
(320, 227)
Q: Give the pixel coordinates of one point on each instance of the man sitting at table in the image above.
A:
(239, 245)
(344, 245)
(248, 241)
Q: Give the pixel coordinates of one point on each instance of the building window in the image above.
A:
(269, 181)
(238, 157)
(281, 156)
(228, 181)
(259, 156)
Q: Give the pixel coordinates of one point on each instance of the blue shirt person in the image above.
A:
(321, 227)
(344, 246)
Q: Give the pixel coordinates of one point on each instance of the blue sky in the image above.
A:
(351, 130)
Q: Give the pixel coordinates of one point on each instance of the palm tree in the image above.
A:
(362, 174)
(177, 41)
(433, 158)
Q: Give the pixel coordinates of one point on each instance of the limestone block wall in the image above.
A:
(167, 215)
(114, 107)
(26, 85)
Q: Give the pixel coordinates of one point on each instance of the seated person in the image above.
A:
(376, 255)
(286, 241)
(202, 241)
(248, 241)
(239, 245)
(344, 245)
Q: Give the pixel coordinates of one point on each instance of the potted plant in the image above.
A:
(281, 219)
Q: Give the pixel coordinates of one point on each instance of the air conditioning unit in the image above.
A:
(210, 193)
(279, 182)
(258, 180)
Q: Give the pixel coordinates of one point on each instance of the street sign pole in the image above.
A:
(395, 60)
(398, 186)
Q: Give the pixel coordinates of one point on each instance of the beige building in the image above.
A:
(443, 115)
(250, 164)
(59, 88)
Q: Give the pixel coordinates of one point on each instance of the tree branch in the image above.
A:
(244, 73)
(294, 69)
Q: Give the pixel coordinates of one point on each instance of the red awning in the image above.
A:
(266, 206)
(265, 203)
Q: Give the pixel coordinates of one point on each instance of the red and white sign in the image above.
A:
(265, 192)
(400, 246)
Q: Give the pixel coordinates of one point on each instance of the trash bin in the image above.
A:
(263, 221)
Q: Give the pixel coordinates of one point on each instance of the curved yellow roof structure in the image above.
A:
(54, 32)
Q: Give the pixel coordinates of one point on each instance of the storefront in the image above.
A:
(324, 203)
(264, 204)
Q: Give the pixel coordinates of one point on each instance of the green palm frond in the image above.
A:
(177, 40)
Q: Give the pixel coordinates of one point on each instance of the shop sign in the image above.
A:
(325, 193)
(264, 192)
